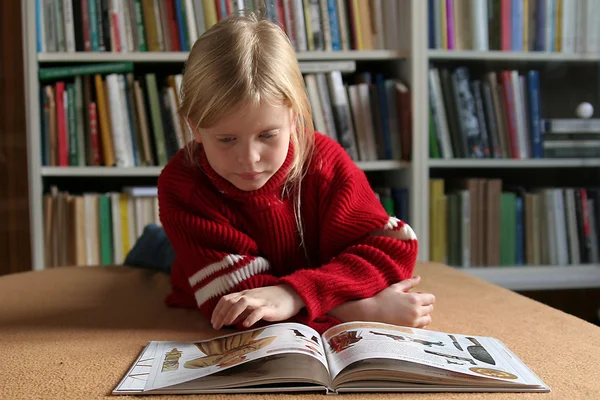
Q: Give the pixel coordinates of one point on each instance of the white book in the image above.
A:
(119, 131)
(69, 25)
(519, 112)
(479, 21)
(561, 228)
(192, 28)
(299, 26)
(367, 118)
(341, 110)
(315, 102)
(323, 89)
(361, 139)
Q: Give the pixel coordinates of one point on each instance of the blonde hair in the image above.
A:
(245, 60)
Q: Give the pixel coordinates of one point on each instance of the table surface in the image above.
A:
(72, 333)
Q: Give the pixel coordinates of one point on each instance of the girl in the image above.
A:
(269, 220)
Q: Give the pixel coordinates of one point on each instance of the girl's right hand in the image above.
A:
(396, 305)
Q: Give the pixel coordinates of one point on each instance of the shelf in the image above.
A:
(539, 277)
(534, 56)
(386, 165)
(179, 57)
(510, 163)
(100, 171)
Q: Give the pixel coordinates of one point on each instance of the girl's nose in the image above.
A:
(249, 156)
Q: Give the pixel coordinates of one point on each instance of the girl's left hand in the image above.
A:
(271, 303)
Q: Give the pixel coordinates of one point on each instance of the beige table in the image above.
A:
(71, 333)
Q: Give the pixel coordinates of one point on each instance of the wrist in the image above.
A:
(296, 299)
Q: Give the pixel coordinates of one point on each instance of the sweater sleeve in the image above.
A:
(363, 249)
(212, 258)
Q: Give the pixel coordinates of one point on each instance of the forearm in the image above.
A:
(355, 310)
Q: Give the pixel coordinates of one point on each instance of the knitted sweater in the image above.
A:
(227, 240)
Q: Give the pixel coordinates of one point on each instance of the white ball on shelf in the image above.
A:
(585, 110)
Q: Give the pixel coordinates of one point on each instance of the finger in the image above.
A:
(408, 284)
(223, 304)
(242, 316)
(225, 307)
(426, 299)
(254, 317)
(425, 310)
(423, 321)
(238, 308)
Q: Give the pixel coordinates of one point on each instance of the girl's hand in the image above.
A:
(271, 303)
(398, 306)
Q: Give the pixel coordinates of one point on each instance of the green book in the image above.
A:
(508, 229)
(106, 250)
(157, 123)
(50, 73)
(139, 20)
(434, 152)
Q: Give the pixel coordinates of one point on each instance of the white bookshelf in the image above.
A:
(402, 63)
(540, 277)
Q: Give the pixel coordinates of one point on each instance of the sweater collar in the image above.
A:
(273, 185)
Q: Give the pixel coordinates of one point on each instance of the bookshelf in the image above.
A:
(410, 62)
(562, 61)
(395, 61)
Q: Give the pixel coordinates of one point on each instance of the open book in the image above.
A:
(350, 357)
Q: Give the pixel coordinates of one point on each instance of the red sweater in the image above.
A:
(227, 240)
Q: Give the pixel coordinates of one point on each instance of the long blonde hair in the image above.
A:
(247, 59)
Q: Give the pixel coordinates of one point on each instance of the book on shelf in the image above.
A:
(348, 358)
(95, 229)
(169, 25)
(566, 26)
(107, 115)
(487, 223)
(493, 115)
(571, 137)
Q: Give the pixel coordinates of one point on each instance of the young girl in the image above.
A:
(269, 220)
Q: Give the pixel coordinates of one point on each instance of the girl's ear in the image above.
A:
(193, 130)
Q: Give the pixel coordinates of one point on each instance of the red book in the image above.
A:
(61, 123)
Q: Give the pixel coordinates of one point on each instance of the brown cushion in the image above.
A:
(71, 333)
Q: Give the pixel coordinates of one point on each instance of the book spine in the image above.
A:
(46, 74)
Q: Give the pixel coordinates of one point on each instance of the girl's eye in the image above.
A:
(226, 140)
(267, 135)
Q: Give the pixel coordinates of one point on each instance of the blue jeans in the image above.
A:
(152, 250)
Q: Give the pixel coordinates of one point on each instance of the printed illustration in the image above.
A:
(301, 336)
(495, 373)
(228, 351)
(450, 356)
(367, 325)
(344, 340)
(479, 352)
(399, 338)
(171, 362)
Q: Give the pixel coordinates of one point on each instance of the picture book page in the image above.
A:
(136, 377)
(178, 362)
(470, 355)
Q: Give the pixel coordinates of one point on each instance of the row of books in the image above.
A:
(90, 117)
(93, 229)
(496, 115)
(482, 222)
(367, 114)
(571, 138)
(174, 25)
(568, 26)
(105, 115)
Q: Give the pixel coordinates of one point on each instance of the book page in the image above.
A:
(136, 377)
(178, 362)
(479, 357)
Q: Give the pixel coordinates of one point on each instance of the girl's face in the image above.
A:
(249, 147)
